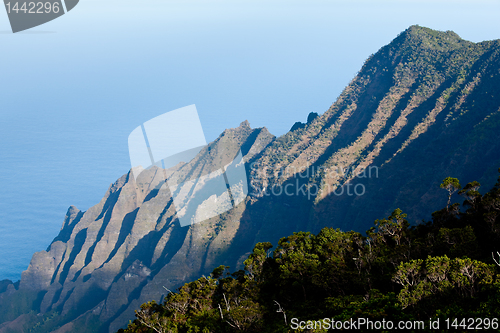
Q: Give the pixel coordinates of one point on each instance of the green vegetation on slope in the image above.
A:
(439, 269)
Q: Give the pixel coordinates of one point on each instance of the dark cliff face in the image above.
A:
(425, 107)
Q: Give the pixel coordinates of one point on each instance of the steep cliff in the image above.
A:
(108, 260)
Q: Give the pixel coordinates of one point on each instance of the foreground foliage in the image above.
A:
(439, 269)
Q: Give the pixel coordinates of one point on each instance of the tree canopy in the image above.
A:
(438, 269)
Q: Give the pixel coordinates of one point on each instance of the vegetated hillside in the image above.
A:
(396, 273)
(424, 107)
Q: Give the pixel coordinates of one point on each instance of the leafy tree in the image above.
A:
(471, 194)
(452, 185)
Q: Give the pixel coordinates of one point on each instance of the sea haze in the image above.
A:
(45, 169)
(74, 90)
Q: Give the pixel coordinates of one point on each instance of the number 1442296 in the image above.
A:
(472, 323)
(33, 7)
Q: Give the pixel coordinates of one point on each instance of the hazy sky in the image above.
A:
(73, 89)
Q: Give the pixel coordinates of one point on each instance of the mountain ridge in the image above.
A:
(426, 98)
